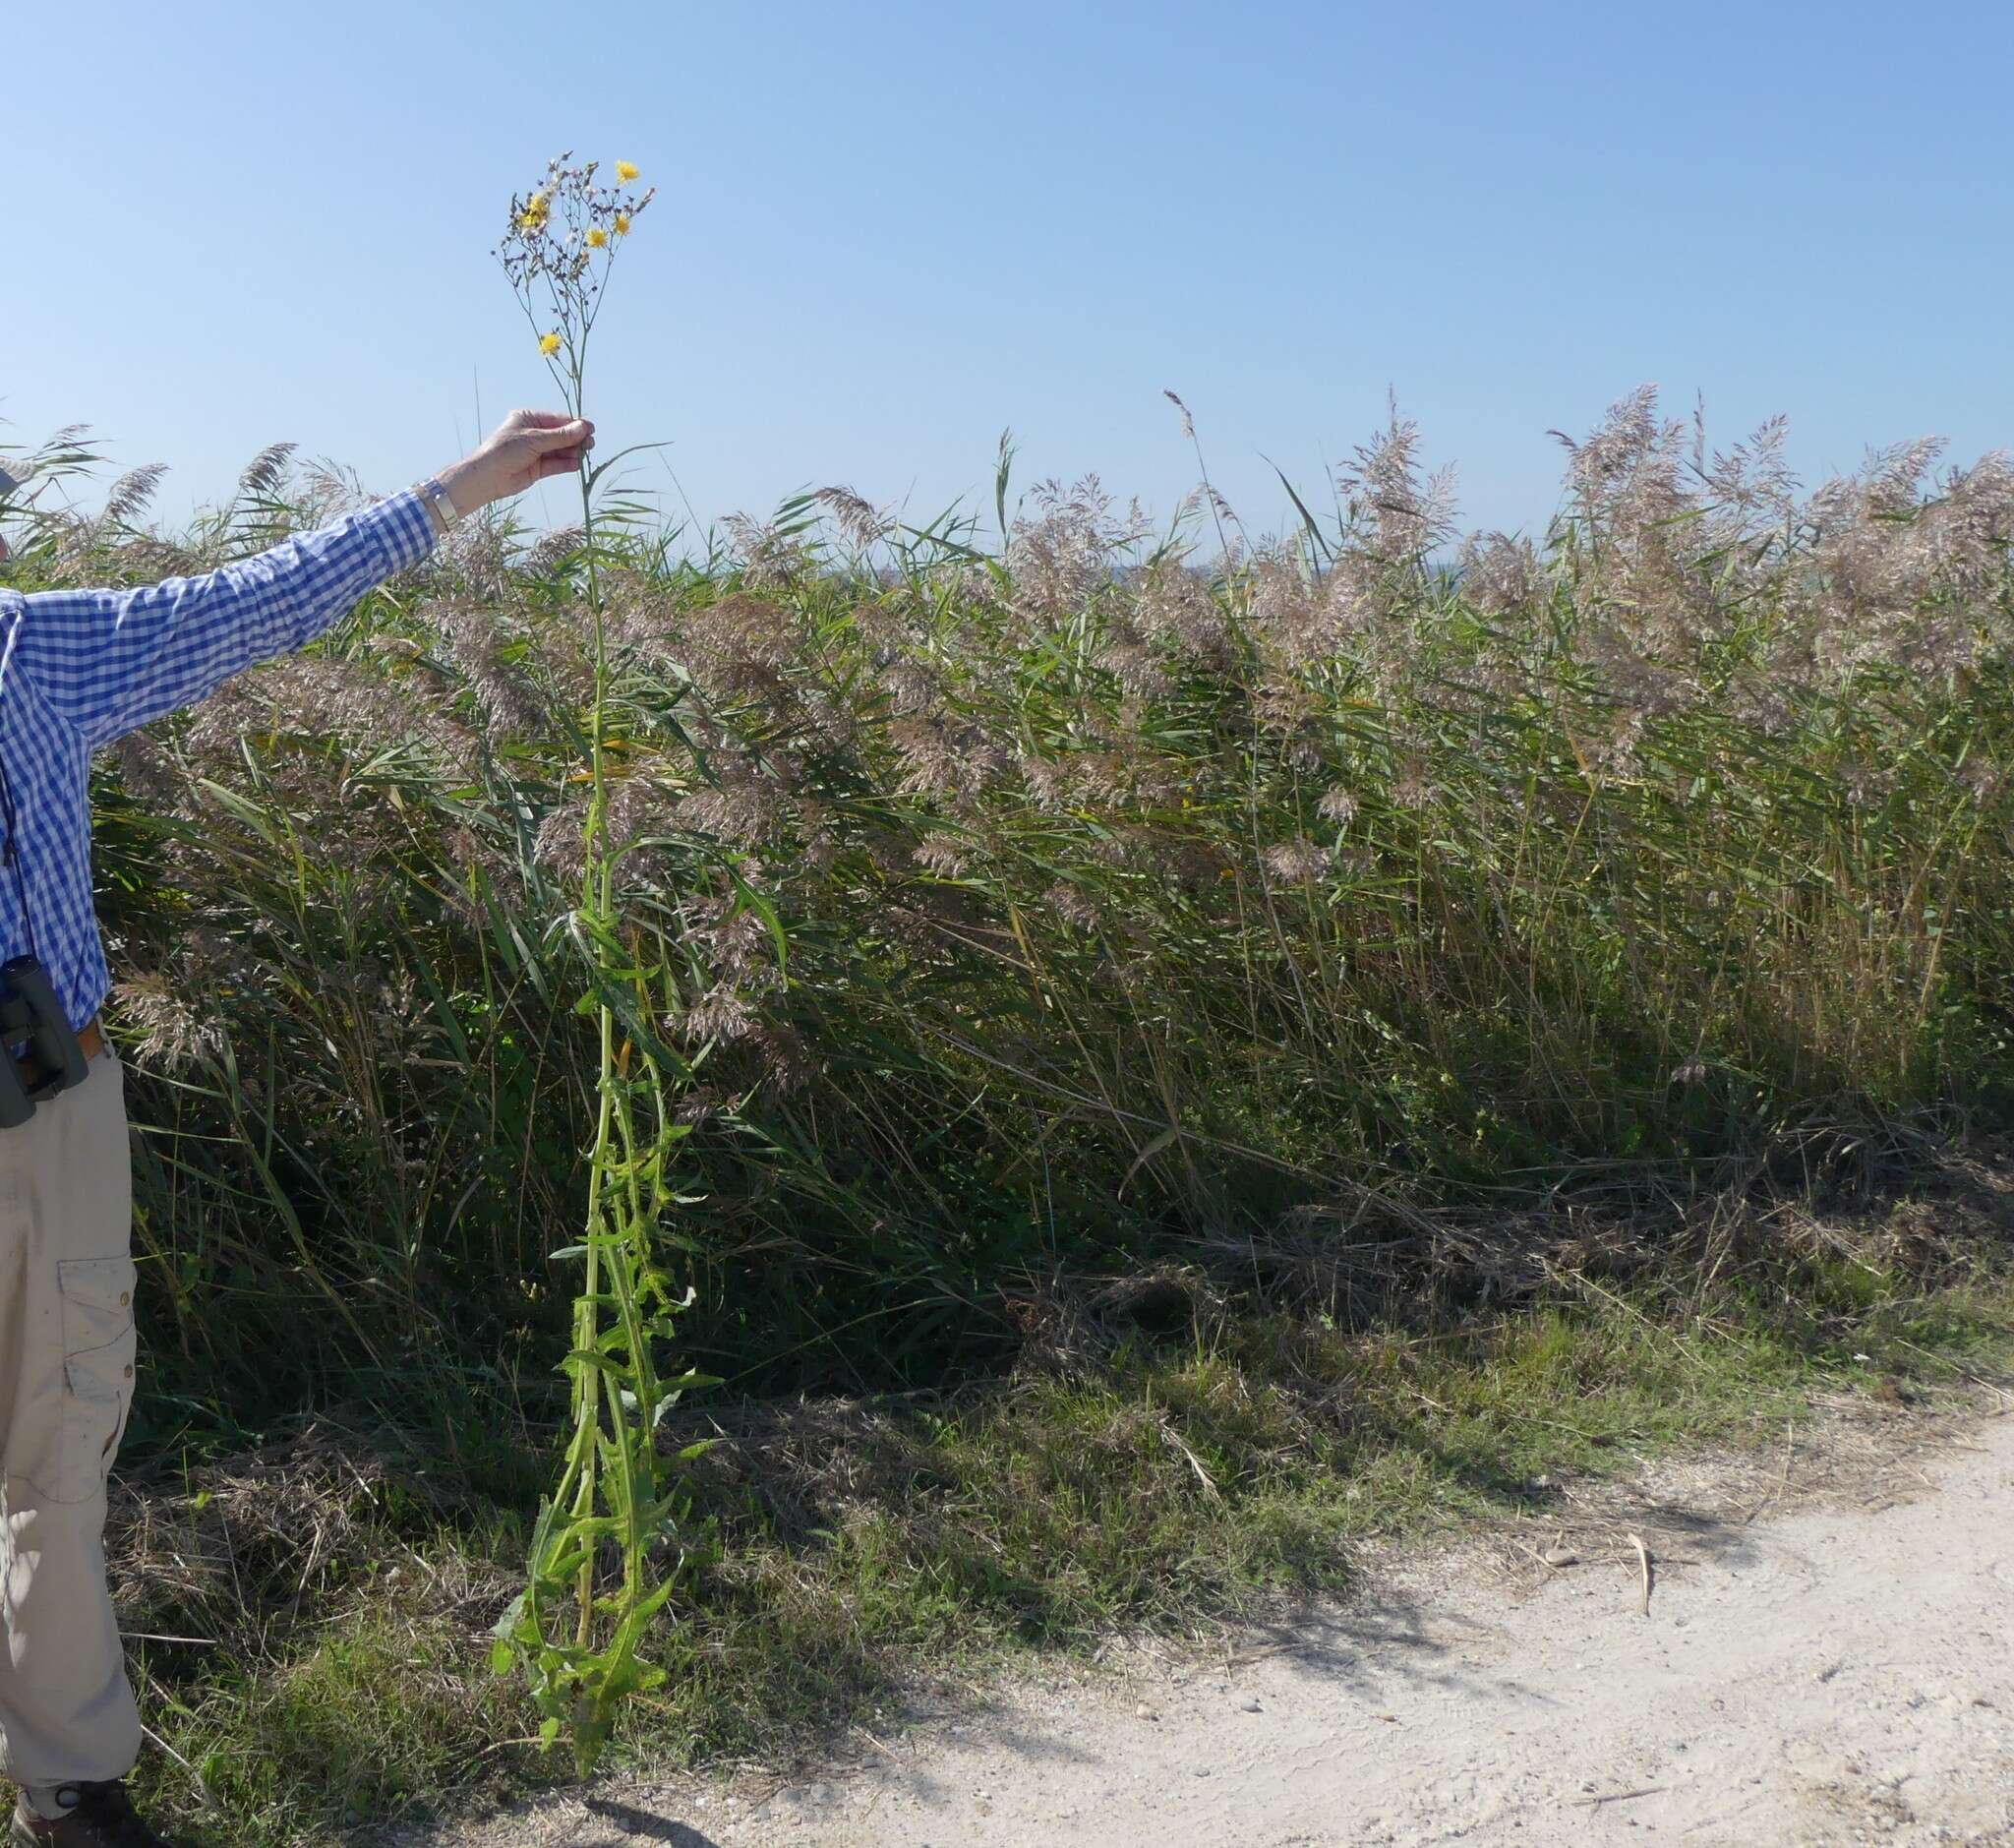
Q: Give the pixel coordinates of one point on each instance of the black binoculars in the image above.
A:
(32, 1019)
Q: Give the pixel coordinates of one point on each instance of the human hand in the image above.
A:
(526, 447)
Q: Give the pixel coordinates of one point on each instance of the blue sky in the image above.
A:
(886, 232)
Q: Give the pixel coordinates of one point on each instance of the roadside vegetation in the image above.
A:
(1191, 1050)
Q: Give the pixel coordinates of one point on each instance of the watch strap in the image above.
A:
(451, 514)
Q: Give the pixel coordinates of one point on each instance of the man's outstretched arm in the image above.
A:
(112, 660)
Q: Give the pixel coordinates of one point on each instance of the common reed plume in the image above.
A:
(990, 902)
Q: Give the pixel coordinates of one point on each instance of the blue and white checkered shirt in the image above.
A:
(80, 668)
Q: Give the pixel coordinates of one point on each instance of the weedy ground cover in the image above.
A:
(1222, 1463)
(1406, 961)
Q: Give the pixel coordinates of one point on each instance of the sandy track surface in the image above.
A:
(1842, 1673)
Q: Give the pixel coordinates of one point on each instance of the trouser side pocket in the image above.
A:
(98, 1350)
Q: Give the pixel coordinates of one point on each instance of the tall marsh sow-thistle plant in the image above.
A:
(576, 1640)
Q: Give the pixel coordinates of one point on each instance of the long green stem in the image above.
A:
(587, 1319)
(608, 1485)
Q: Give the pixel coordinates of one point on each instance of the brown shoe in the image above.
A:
(102, 1817)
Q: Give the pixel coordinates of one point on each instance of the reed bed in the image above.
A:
(1051, 901)
(1174, 1049)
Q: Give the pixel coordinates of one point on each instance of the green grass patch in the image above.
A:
(1169, 1480)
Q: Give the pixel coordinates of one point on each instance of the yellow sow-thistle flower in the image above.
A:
(549, 344)
(621, 224)
(596, 238)
(533, 218)
(626, 170)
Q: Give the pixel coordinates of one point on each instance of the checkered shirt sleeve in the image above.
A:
(109, 661)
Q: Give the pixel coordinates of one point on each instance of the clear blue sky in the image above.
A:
(887, 231)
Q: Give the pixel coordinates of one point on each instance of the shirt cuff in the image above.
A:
(402, 529)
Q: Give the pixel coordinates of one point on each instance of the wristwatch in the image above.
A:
(449, 514)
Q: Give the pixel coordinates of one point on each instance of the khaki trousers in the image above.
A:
(66, 1386)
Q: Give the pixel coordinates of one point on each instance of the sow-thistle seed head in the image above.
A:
(559, 241)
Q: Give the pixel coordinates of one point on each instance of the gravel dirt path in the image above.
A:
(1827, 1657)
